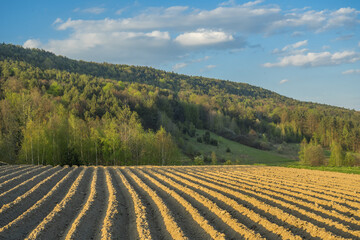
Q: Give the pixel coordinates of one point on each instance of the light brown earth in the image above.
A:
(150, 202)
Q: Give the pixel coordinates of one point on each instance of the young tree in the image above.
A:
(167, 149)
(337, 154)
(311, 154)
(213, 158)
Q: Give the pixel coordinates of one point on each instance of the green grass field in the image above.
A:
(354, 170)
(239, 153)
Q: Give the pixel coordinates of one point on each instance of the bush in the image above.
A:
(349, 159)
(199, 160)
(213, 158)
(199, 139)
(228, 162)
(206, 137)
(213, 142)
(228, 150)
(313, 155)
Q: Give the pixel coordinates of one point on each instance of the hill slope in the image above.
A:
(76, 106)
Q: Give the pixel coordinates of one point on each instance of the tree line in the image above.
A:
(79, 97)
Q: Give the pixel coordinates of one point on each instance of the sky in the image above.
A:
(306, 50)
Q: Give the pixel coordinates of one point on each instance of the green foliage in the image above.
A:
(199, 160)
(311, 154)
(349, 159)
(214, 160)
(51, 105)
(337, 155)
(55, 89)
(228, 162)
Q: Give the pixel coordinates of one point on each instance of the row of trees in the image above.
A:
(312, 154)
(37, 130)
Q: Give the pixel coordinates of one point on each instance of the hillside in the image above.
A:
(58, 111)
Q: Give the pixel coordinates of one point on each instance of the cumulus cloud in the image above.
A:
(312, 59)
(292, 47)
(351, 71)
(179, 66)
(162, 34)
(32, 43)
(203, 37)
(317, 21)
(283, 81)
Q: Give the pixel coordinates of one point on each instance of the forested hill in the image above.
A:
(147, 75)
(56, 110)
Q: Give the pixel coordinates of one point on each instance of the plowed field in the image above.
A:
(207, 202)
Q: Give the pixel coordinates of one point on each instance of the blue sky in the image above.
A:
(307, 50)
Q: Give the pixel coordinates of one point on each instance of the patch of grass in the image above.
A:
(239, 154)
(354, 170)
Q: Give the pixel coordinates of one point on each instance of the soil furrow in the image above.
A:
(290, 208)
(170, 225)
(303, 226)
(220, 218)
(20, 227)
(54, 223)
(16, 181)
(88, 199)
(136, 211)
(16, 172)
(22, 188)
(189, 219)
(287, 196)
(89, 220)
(267, 228)
(111, 211)
(272, 185)
(10, 209)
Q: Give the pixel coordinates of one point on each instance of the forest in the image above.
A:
(54, 110)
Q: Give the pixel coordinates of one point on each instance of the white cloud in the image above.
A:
(164, 34)
(351, 71)
(210, 66)
(253, 3)
(184, 64)
(32, 43)
(292, 47)
(228, 3)
(203, 37)
(316, 59)
(283, 81)
(179, 66)
(317, 21)
(58, 20)
(118, 47)
(120, 11)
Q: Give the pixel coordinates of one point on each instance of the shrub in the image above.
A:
(213, 142)
(228, 162)
(349, 159)
(213, 158)
(199, 160)
(313, 155)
